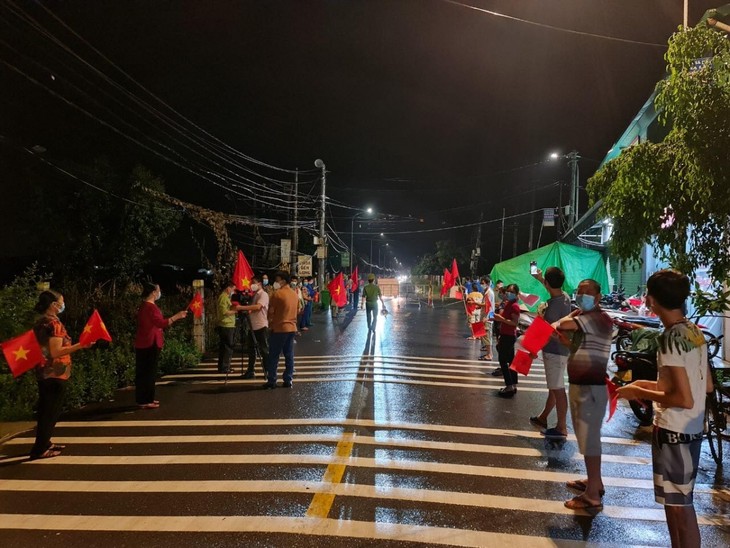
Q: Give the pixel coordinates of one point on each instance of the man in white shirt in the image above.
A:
(679, 404)
(258, 312)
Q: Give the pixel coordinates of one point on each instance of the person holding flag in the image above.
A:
(370, 295)
(258, 335)
(226, 327)
(355, 278)
(148, 344)
(53, 372)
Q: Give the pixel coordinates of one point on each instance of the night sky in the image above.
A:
(419, 108)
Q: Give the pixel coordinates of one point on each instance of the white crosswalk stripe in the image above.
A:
(383, 470)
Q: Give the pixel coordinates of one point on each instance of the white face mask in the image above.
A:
(277, 285)
(255, 287)
(159, 295)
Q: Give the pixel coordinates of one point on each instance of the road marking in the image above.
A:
(322, 502)
(282, 525)
(361, 357)
(376, 378)
(363, 423)
(326, 438)
(389, 371)
(348, 460)
(453, 498)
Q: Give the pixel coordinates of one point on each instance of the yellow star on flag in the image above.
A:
(245, 282)
(21, 354)
(195, 305)
(337, 290)
(87, 329)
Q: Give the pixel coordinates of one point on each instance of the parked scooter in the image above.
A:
(633, 366)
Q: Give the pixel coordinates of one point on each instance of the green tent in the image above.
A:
(577, 263)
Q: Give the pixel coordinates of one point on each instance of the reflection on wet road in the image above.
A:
(392, 438)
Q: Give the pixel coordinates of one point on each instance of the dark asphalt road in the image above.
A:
(396, 439)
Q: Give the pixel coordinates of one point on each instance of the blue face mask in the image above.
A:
(266, 281)
(585, 302)
(510, 296)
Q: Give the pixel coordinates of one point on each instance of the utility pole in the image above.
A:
(532, 220)
(295, 232)
(573, 158)
(322, 248)
(514, 241)
(501, 242)
(477, 246)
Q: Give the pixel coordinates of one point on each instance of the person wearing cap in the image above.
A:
(370, 295)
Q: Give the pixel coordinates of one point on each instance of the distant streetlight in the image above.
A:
(369, 211)
(554, 155)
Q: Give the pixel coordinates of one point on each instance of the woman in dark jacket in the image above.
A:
(53, 373)
(148, 343)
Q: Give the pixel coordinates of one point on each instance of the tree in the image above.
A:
(434, 263)
(676, 194)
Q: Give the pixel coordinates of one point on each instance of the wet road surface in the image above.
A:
(389, 439)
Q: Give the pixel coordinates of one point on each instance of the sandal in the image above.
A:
(581, 503)
(152, 405)
(535, 421)
(581, 485)
(506, 393)
(47, 454)
(55, 447)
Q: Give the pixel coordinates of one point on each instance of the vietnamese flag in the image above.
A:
(478, 330)
(355, 276)
(454, 271)
(537, 335)
(448, 282)
(22, 353)
(521, 363)
(337, 290)
(94, 330)
(612, 398)
(243, 273)
(196, 305)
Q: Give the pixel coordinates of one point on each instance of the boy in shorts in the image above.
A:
(679, 404)
(554, 355)
(590, 349)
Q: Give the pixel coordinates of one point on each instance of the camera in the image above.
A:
(243, 298)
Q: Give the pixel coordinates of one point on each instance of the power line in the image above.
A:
(553, 27)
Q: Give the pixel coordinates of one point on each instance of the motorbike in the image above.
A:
(626, 325)
(633, 366)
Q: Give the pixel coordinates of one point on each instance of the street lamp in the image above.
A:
(369, 211)
(572, 158)
(322, 251)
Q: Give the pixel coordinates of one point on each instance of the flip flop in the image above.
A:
(47, 454)
(55, 447)
(580, 503)
(580, 485)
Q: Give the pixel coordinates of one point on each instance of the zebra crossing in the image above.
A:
(369, 476)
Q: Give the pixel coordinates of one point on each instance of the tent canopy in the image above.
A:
(577, 263)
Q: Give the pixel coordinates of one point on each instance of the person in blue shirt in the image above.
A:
(305, 322)
(468, 286)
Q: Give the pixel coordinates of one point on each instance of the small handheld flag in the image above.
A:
(612, 398)
(94, 330)
(521, 363)
(22, 353)
(242, 273)
(196, 305)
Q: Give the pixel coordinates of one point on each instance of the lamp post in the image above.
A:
(352, 234)
(572, 158)
(322, 249)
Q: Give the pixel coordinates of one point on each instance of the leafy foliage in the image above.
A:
(676, 194)
(434, 263)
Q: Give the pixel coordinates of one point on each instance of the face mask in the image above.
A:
(585, 302)
(510, 296)
(266, 281)
(61, 308)
(159, 296)
(277, 285)
(293, 284)
(255, 287)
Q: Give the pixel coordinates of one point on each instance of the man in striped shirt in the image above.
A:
(590, 348)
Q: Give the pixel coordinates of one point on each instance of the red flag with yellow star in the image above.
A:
(243, 273)
(22, 353)
(337, 290)
(94, 330)
(196, 305)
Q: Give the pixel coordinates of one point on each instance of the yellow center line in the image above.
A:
(322, 502)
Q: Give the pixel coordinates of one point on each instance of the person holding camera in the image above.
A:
(148, 343)
(226, 327)
(258, 336)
